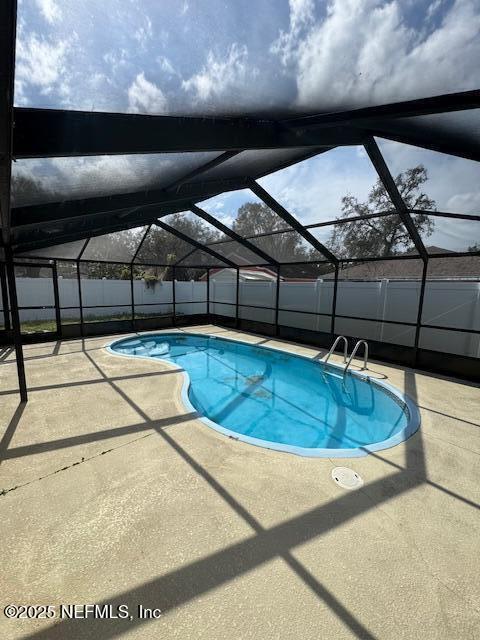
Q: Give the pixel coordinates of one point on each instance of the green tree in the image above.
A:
(164, 248)
(27, 190)
(118, 247)
(386, 235)
(254, 218)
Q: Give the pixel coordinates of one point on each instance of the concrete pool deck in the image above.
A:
(113, 493)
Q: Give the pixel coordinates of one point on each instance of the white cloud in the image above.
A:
(49, 9)
(219, 75)
(466, 202)
(454, 183)
(363, 52)
(146, 97)
(312, 190)
(82, 173)
(433, 8)
(92, 175)
(166, 66)
(39, 62)
(116, 58)
(301, 17)
(143, 34)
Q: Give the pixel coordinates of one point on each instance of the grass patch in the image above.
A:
(50, 326)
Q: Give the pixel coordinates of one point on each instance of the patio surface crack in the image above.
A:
(4, 492)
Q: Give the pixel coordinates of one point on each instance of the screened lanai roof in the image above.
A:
(132, 146)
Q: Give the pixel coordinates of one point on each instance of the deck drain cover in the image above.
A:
(346, 478)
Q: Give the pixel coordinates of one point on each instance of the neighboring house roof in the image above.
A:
(438, 268)
(461, 267)
(256, 273)
(246, 273)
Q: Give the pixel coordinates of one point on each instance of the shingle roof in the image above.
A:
(458, 267)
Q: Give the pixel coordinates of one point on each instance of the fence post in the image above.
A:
(208, 296)
(334, 301)
(318, 294)
(237, 298)
(384, 283)
(132, 296)
(277, 295)
(174, 274)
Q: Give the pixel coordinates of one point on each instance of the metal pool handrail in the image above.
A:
(365, 356)
(332, 349)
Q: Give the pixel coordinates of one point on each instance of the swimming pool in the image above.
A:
(279, 400)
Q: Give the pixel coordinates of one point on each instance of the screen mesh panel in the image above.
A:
(68, 287)
(117, 247)
(243, 212)
(311, 322)
(190, 291)
(191, 274)
(382, 290)
(237, 253)
(152, 290)
(457, 128)
(255, 163)
(199, 257)
(452, 293)
(162, 247)
(341, 182)
(306, 288)
(372, 330)
(372, 238)
(308, 272)
(219, 62)
(449, 183)
(258, 287)
(451, 234)
(69, 250)
(444, 341)
(223, 289)
(193, 226)
(288, 246)
(106, 291)
(38, 181)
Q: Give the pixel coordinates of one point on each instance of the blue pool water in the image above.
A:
(278, 400)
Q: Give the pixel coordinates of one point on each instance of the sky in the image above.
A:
(181, 56)
(312, 190)
(268, 56)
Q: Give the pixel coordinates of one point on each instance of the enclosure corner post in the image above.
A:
(56, 296)
(420, 312)
(6, 305)
(80, 304)
(17, 335)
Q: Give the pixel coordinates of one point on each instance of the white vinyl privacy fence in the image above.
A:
(381, 304)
